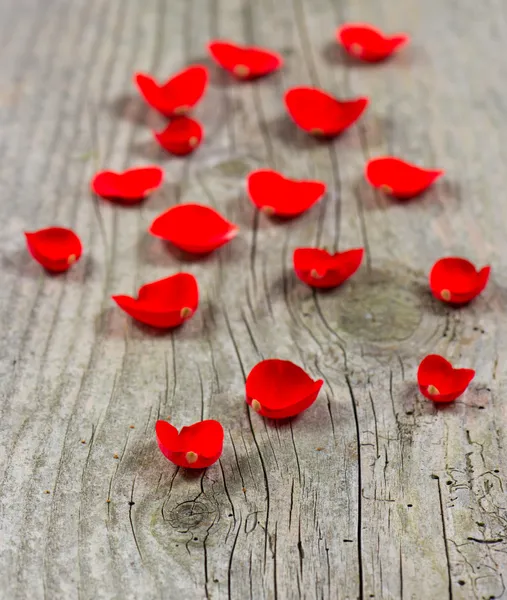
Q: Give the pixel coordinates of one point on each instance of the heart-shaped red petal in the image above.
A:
(321, 114)
(165, 303)
(280, 196)
(439, 381)
(399, 178)
(456, 280)
(367, 43)
(178, 95)
(55, 248)
(194, 228)
(127, 187)
(318, 268)
(182, 136)
(194, 447)
(244, 62)
(278, 389)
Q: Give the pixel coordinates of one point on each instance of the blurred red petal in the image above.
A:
(456, 280)
(244, 62)
(127, 187)
(194, 447)
(399, 178)
(182, 136)
(55, 248)
(194, 228)
(439, 381)
(278, 389)
(178, 95)
(318, 268)
(165, 303)
(368, 43)
(280, 196)
(321, 114)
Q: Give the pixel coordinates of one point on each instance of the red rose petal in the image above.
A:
(178, 95)
(439, 381)
(277, 195)
(318, 268)
(55, 248)
(278, 389)
(127, 187)
(165, 303)
(244, 62)
(182, 136)
(368, 43)
(456, 280)
(319, 113)
(194, 228)
(194, 447)
(399, 178)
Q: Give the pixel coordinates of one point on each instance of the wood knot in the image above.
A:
(190, 515)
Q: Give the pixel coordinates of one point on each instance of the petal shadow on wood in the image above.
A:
(150, 150)
(114, 323)
(335, 55)
(406, 58)
(155, 251)
(166, 196)
(134, 109)
(477, 396)
(217, 76)
(291, 135)
(442, 196)
(22, 264)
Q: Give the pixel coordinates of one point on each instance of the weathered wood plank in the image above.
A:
(371, 493)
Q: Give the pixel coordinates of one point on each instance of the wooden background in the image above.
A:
(373, 492)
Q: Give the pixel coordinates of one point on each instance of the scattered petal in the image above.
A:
(318, 268)
(55, 248)
(278, 389)
(178, 95)
(367, 43)
(194, 228)
(182, 136)
(280, 196)
(127, 187)
(439, 381)
(456, 280)
(165, 303)
(399, 178)
(244, 62)
(194, 447)
(320, 114)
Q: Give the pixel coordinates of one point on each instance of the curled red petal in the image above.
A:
(278, 389)
(399, 178)
(318, 268)
(368, 43)
(280, 196)
(178, 95)
(321, 114)
(194, 228)
(439, 381)
(182, 136)
(194, 447)
(456, 280)
(244, 62)
(55, 248)
(127, 187)
(165, 303)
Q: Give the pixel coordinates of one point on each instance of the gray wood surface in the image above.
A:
(373, 492)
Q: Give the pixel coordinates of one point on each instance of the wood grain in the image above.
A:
(374, 492)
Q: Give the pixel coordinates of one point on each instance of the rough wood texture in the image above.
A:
(373, 493)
